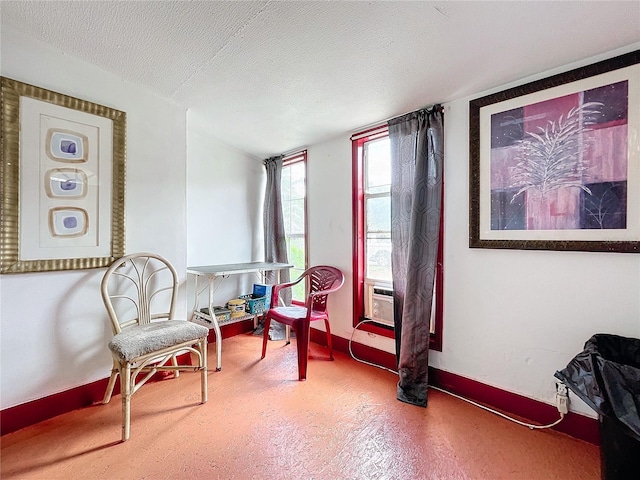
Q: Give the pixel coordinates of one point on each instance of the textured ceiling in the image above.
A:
(271, 76)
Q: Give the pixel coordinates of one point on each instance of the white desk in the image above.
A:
(211, 273)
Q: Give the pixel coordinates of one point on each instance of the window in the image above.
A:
(377, 210)
(294, 208)
(372, 237)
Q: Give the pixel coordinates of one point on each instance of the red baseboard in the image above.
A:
(23, 415)
(232, 329)
(578, 426)
(533, 411)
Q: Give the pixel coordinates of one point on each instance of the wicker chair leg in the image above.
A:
(125, 381)
(174, 362)
(112, 383)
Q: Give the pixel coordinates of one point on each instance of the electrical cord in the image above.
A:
(500, 414)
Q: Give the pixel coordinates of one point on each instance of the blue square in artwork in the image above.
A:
(65, 146)
(70, 222)
(66, 182)
(68, 185)
(68, 146)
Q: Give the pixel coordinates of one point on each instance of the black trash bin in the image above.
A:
(606, 375)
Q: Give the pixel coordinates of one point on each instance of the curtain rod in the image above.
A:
(382, 124)
(367, 130)
(295, 152)
(289, 154)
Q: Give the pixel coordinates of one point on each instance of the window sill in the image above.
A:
(377, 329)
(389, 332)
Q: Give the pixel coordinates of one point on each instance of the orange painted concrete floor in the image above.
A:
(344, 422)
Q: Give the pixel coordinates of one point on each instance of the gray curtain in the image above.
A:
(275, 245)
(417, 155)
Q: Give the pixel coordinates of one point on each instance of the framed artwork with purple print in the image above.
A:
(555, 164)
(63, 162)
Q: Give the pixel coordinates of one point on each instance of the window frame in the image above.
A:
(359, 233)
(288, 161)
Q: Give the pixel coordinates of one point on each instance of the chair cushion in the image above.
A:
(142, 339)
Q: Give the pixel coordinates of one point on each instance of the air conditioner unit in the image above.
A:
(379, 304)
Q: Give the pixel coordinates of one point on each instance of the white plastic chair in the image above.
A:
(139, 292)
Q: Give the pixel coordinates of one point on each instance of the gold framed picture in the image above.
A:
(63, 181)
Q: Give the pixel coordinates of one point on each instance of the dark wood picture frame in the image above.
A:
(486, 129)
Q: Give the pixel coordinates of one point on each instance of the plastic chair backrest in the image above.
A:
(326, 279)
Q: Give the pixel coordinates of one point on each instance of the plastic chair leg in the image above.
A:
(329, 343)
(265, 334)
(301, 330)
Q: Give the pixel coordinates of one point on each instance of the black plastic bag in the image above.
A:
(606, 376)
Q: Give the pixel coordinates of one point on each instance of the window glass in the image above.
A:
(377, 165)
(377, 209)
(294, 212)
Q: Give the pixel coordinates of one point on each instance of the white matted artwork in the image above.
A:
(65, 182)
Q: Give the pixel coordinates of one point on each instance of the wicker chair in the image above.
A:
(139, 292)
(321, 281)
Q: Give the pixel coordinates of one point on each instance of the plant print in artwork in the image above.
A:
(562, 163)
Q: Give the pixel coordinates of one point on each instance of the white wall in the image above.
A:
(224, 216)
(53, 325)
(511, 318)
(330, 221)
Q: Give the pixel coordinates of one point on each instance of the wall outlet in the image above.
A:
(561, 389)
(562, 398)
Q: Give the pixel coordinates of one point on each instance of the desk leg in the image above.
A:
(195, 302)
(216, 327)
(287, 328)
